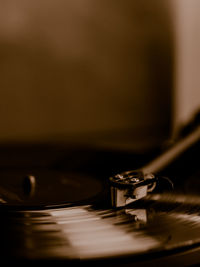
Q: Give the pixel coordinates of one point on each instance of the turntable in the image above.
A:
(57, 205)
(117, 74)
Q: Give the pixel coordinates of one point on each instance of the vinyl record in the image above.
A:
(68, 218)
(157, 225)
(43, 188)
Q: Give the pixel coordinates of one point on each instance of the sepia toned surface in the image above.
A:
(81, 69)
(187, 57)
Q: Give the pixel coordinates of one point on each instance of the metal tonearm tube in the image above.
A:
(130, 186)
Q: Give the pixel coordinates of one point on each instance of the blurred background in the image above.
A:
(113, 74)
